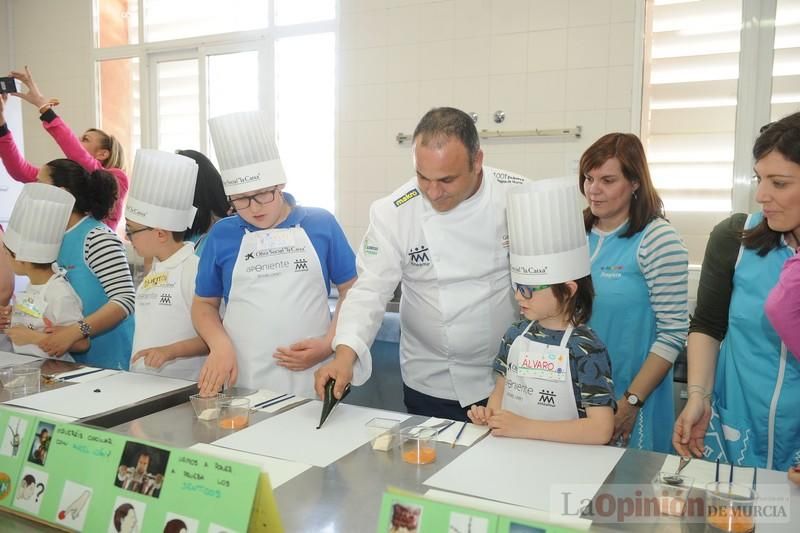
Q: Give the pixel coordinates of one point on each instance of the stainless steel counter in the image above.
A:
(346, 496)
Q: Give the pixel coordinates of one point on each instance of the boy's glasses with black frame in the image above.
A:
(526, 291)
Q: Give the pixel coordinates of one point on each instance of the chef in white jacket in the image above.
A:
(443, 234)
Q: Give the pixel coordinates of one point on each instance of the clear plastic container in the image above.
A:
(205, 407)
(418, 445)
(729, 507)
(383, 433)
(672, 491)
(234, 412)
(21, 380)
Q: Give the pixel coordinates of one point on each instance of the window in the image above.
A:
(689, 110)
(195, 59)
(786, 64)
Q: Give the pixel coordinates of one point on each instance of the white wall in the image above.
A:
(546, 63)
(54, 38)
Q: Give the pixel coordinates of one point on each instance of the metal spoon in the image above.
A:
(676, 478)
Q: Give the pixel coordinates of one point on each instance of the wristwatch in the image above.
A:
(633, 399)
(86, 329)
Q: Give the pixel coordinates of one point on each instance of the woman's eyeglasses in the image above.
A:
(261, 198)
(526, 291)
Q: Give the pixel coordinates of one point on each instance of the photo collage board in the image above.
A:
(86, 479)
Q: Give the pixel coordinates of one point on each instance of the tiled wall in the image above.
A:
(546, 63)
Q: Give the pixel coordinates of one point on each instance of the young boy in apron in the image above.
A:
(158, 212)
(272, 263)
(553, 373)
(32, 241)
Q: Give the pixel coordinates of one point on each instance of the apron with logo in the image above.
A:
(277, 297)
(539, 380)
(755, 420)
(29, 312)
(164, 317)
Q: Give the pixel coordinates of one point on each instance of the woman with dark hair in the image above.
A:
(744, 385)
(640, 271)
(97, 268)
(209, 199)
(94, 150)
(125, 518)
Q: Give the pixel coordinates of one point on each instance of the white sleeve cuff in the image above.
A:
(665, 352)
(362, 369)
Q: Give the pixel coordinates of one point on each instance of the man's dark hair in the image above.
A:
(441, 124)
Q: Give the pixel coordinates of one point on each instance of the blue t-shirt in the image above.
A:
(222, 242)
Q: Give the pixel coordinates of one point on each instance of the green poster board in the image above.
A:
(413, 513)
(87, 479)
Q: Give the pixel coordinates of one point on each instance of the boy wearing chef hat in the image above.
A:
(553, 373)
(32, 241)
(158, 212)
(273, 263)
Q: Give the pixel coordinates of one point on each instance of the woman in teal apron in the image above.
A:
(751, 418)
(640, 275)
(96, 267)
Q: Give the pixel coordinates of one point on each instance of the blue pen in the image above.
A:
(460, 431)
(730, 479)
(716, 477)
(755, 475)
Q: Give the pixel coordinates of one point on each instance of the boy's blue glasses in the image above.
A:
(526, 291)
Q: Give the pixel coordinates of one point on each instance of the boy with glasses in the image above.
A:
(272, 263)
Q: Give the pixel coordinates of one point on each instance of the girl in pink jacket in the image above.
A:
(783, 305)
(93, 151)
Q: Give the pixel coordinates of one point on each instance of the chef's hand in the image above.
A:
(153, 357)
(479, 415)
(340, 369)
(5, 317)
(61, 339)
(624, 419)
(303, 354)
(507, 424)
(688, 436)
(220, 367)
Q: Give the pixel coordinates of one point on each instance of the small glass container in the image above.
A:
(234, 412)
(22, 380)
(729, 507)
(418, 445)
(205, 407)
(382, 433)
(672, 491)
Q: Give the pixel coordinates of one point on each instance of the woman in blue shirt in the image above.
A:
(640, 274)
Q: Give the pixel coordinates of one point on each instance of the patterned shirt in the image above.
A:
(589, 363)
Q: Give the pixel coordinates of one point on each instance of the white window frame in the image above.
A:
(149, 54)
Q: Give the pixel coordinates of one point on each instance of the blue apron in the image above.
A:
(112, 348)
(623, 318)
(755, 419)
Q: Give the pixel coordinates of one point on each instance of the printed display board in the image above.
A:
(86, 479)
(405, 512)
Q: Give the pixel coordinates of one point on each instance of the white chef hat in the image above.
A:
(38, 222)
(546, 233)
(247, 153)
(162, 190)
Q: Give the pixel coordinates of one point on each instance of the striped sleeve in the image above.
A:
(106, 258)
(664, 262)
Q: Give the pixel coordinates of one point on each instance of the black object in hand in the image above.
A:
(330, 401)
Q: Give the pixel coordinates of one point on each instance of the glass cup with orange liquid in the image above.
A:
(730, 507)
(418, 445)
(234, 412)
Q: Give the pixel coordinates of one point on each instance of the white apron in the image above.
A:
(163, 316)
(539, 380)
(29, 311)
(277, 298)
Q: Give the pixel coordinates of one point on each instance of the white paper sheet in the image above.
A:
(293, 435)
(468, 437)
(527, 472)
(288, 402)
(504, 509)
(13, 359)
(264, 395)
(279, 471)
(119, 390)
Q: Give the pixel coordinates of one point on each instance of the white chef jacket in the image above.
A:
(457, 297)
